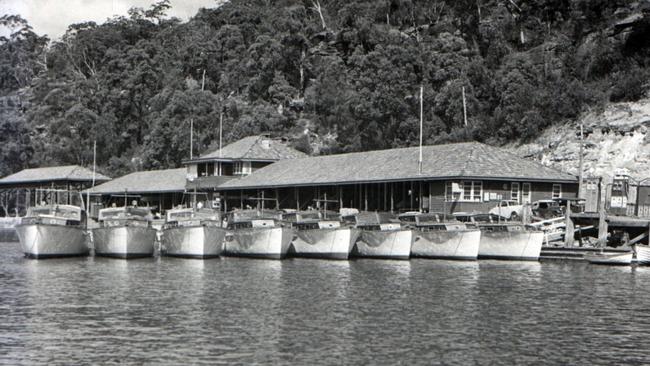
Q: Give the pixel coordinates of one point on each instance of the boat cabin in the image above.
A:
(312, 219)
(54, 215)
(251, 219)
(119, 216)
(434, 221)
(193, 217)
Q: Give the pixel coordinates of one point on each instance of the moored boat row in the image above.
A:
(127, 232)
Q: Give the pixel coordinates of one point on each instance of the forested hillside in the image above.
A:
(332, 75)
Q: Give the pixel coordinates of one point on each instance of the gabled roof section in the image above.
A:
(470, 160)
(261, 148)
(71, 173)
(154, 181)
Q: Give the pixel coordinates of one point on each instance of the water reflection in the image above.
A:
(172, 311)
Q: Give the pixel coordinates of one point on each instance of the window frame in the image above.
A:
(525, 199)
(559, 191)
(515, 197)
(475, 192)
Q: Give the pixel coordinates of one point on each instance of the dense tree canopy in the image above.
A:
(347, 73)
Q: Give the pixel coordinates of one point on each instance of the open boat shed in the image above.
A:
(20, 190)
(159, 189)
(460, 177)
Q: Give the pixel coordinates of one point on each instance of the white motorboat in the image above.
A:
(609, 258)
(437, 237)
(193, 233)
(53, 231)
(257, 234)
(319, 235)
(505, 240)
(379, 237)
(642, 254)
(124, 232)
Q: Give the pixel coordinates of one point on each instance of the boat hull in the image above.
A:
(41, 241)
(611, 259)
(193, 241)
(443, 244)
(511, 245)
(265, 243)
(642, 254)
(323, 243)
(124, 241)
(389, 244)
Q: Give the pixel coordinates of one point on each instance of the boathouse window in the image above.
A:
(557, 191)
(205, 169)
(470, 191)
(242, 168)
(514, 191)
(525, 192)
(453, 191)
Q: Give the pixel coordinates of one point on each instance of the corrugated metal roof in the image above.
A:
(74, 173)
(255, 148)
(154, 181)
(461, 160)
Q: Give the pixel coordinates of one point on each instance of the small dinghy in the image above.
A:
(612, 259)
(642, 254)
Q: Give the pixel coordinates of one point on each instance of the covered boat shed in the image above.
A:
(21, 190)
(159, 189)
(460, 177)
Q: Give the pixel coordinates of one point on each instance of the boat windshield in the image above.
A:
(63, 211)
(248, 215)
(125, 213)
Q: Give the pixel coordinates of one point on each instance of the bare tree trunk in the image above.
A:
(318, 8)
(302, 73)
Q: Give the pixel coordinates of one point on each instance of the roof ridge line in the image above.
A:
(506, 151)
(251, 147)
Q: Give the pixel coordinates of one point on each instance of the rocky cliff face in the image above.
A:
(616, 138)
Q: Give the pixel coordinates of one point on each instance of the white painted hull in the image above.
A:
(616, 259)
(49, 241)
(323, 243)
(271, 243)
(511, 245)
(390, 244)
(443, 244)
(193, 241)
(642, 254)
(124, 241)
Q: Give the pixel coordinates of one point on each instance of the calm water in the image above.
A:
(172, 311)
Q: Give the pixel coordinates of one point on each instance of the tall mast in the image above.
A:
(421, 122)
(191, 138)
(580, 167)
(464, 108)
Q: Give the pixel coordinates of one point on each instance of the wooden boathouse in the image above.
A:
(239, 159)
(21, 190)
(159, 189)
(460, 177)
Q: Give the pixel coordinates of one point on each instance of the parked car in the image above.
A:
(547, 209)
(508, 209)
(577, 204)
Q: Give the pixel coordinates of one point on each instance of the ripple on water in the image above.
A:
(172, 311)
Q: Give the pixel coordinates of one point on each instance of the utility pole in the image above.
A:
(421, 123)
(220, 131)
(191, 138)
(464, 108)
(582, 143)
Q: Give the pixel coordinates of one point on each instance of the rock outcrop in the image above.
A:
(616, 138)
